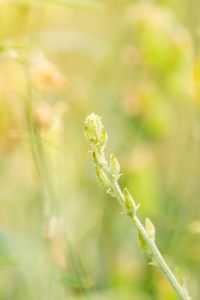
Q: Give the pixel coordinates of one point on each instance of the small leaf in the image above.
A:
(143, 245)
(111, 193)
(180, 276)
(183, 284)
(150, 229)
(153, 263)
(118, 176)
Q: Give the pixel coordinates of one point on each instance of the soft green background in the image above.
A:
(132, 62)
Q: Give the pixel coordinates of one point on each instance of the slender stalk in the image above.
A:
(108, 175)
(157, 256)
(159, 259)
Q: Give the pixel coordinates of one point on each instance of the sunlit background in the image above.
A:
(137, 64)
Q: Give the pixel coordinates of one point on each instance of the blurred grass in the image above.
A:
(82, 4)
(60, 235)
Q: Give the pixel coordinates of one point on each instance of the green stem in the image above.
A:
(159, 259)
(108, 180)
(151, 244)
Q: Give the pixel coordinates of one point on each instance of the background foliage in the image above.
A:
(135, 63)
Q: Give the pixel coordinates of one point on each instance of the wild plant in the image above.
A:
(107, 174)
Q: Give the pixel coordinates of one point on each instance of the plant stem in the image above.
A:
(159, 259)
(108, 175)
(157, 256)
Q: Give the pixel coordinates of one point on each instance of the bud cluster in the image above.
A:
(107, 173)
(94, 131)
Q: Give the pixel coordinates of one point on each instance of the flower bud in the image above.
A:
(94, 124)
(99, 126)
(88, 134)
(150, 229)
(103, 138)
(102, 178)
(129, 202)
(114, 165)
(97, 159)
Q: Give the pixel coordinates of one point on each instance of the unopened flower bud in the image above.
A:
(150, 229)
(89, 136)
(99, 126)
(94, 124)
(129, 202)
(102, 178)
(97, 159)
(103, 138)
(114, 165)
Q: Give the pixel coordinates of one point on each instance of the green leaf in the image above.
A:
(181, 276)
(143, 245)
(150, 229)
(153, 263)
(184, 285)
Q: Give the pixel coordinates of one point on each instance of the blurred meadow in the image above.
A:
(136, 64)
